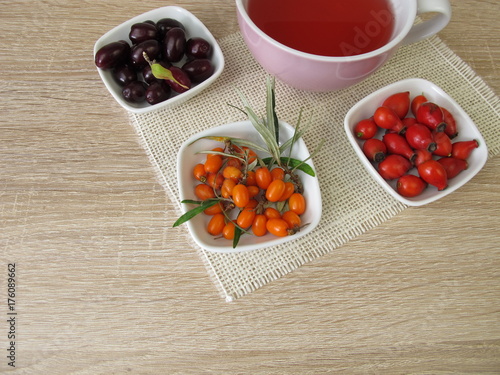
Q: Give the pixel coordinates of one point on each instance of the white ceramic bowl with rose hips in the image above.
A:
(415, 141)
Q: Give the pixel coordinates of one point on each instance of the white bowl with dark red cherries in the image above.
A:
(186, 55)
(415, 141)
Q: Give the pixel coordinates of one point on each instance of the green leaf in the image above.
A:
(216, 138)
(297, 134)
(252, 145)
(195, 211)
(267, 136)
(160, 72)
(191, 201)
(252, 165)
(236, 141)
(264, 132)
(272, 118)
(295, 164)
(225, 154)
(237, 235)
(316, 150)
(280, 206)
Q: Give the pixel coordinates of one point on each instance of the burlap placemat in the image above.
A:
(352, 202)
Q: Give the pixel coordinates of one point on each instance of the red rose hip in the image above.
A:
(399, 103)
(393, 167)
(451, 126)
(397, 144)
(365, 129)
(410, 185)
(386, 118)
(434, 174)
(431, 115)
(443, 144)
(420, 137)
(416, 102)
(453, 166)
(374, 149)
(463, 149)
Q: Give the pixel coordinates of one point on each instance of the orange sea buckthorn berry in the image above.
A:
(292, 219)
(275, 190)
(245, 218)
(227, 187)
(217, 149)
(297, 203)
(214, 180)
(233, 162)
(241, 196)
(253, 190)
(278, 227)
(237, 150)
(246, 153)
(289, 190)
(216, 224)
(251, 180)
(263, 177)
(213, 163)
(251, 155)
(272, 213)
(199, 172)
(259, 225)
(204, 192)
(232, 172)
(228, 230)
(252, 203)
(215, 209)
(278, 173)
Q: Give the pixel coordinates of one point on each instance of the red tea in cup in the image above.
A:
(325, 27)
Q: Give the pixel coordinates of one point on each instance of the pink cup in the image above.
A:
(310, 72)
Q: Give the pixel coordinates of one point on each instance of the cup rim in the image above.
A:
(387, 47)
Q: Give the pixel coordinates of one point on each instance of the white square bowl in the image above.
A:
(467, 130)
(188, 158)
(194, 28)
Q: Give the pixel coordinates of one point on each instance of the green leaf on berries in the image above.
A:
(202, 206)
(237, 235)
(294, 164)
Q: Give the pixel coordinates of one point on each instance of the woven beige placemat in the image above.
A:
(352, 202)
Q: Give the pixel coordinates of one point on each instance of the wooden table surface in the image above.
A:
(100, 290)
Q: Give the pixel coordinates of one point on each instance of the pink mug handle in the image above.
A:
(434, 25)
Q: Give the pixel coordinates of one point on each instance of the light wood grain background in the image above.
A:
(102, 289)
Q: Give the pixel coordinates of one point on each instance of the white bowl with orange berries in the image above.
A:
(248, 184)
